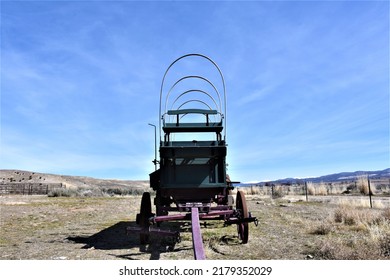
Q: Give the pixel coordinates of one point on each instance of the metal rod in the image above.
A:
(369, 190)
(216, 213)
(169, 218)
(196, 235)
(185, 216)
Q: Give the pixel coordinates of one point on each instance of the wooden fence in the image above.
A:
(28, 188)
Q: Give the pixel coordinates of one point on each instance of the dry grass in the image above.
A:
(372, 243)
(368, 231)
(278, 192)
(378, 188)
(323, 228)
(317, 189)
(252, 190)
(362, 202)
(386, 214)
(275, 192)
(322, 189)
(363, 185)
(350, 215)
(94, 228)
(74, 191)
(339, 249)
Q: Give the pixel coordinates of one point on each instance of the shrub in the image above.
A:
(313, 189)
(362, 184)
(277, 192)
(310, 188)
(321, 189)
(347, 215)
(338, 215)
(358, 249)
(255, 190)
(386, 214)
(59, 192)
(366, 218)
(93, 192)
(75, 192)
(384, 244)
(323, 229)
(126, 191)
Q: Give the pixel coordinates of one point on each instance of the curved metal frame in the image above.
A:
(220, 73)
(194, 100)
(190, 77)
(189, 101)
(196, 90)
(197, 100)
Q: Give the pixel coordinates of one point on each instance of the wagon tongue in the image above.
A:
(197, 240)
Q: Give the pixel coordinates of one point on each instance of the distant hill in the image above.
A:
(22, 176)
(337, 177)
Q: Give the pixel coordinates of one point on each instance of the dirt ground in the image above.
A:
(94, 228)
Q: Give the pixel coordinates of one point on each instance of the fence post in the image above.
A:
(307, 199)
(369, 190)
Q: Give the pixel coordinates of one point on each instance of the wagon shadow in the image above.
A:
(115, 237)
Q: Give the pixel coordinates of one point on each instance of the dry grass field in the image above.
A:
(290, 228)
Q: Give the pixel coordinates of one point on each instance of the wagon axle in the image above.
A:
(146, 220)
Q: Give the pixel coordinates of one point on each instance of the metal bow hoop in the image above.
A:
(194, 90)
(222, 79)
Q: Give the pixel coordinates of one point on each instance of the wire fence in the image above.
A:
(28, 188)
(364, 186)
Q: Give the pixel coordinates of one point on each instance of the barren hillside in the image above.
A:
(20, 176)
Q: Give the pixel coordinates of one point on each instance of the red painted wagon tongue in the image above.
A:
(197, 240)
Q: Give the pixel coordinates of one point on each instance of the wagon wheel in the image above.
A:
(242, 228)
(160, 202)
(145, 214)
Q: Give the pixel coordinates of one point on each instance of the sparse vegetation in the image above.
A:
(63, 192)
(369, 233)
(323, 229)
(277, 192)
(95, 192)
(125, 191)
(351, 215)
(364, 186)
(335, 223)
(317, 189)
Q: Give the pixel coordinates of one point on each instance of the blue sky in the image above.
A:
(307, 83)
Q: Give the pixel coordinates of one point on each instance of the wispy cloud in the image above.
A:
(307, 83)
